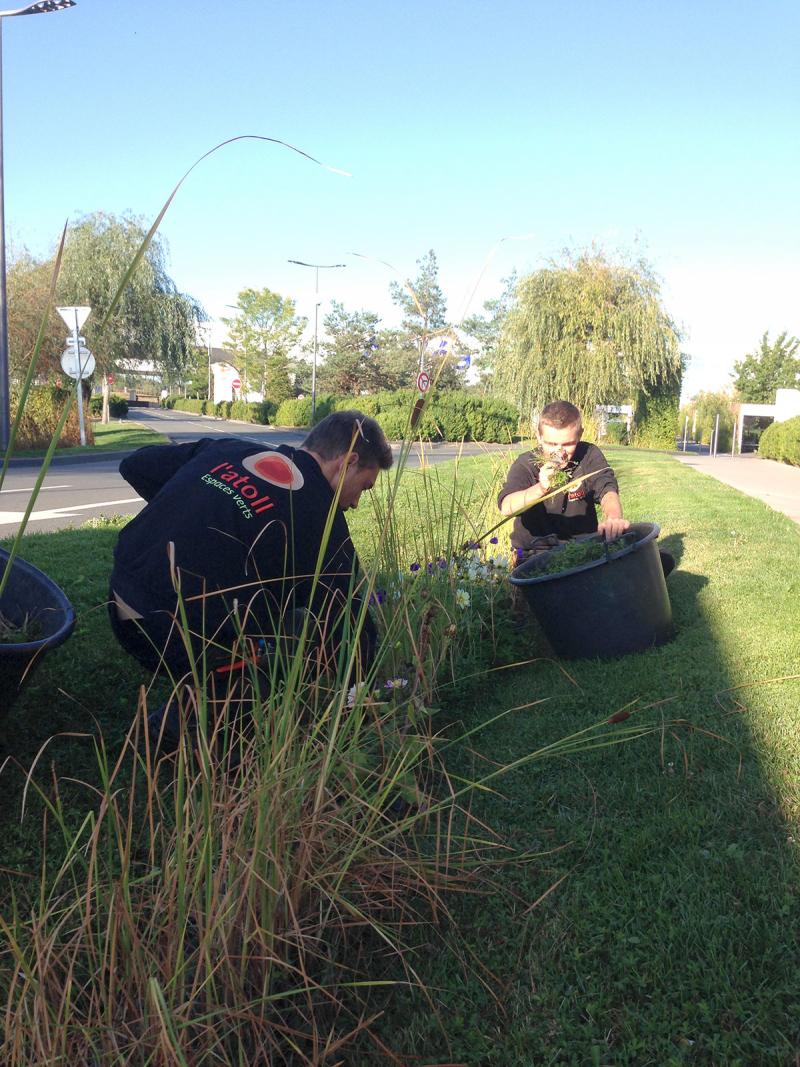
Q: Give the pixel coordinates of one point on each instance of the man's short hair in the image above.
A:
(560, 414)
(340, 431)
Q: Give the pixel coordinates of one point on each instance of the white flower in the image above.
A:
(353, 693)
(462, 598)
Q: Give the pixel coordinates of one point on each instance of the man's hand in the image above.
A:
(611, 528)
(546, 472)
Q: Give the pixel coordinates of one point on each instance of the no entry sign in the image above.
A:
(237, 383)
(423, 382)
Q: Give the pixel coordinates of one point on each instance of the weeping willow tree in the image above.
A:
(589, 331)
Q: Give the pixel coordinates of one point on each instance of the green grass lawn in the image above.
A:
(669, 936)
(119, 435)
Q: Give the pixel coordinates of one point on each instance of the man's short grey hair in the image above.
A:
(342, 431)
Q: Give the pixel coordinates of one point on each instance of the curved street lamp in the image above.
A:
(45, 7)
(317, 267)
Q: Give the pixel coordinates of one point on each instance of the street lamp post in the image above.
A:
(317, 268)
(43, 8)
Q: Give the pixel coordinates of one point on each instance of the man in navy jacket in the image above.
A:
(237, 539)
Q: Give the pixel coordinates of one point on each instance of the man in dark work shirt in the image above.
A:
(567, 514)
(249, 536)
(571, 513)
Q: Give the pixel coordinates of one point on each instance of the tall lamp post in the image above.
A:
(42, 8)
(317, 268)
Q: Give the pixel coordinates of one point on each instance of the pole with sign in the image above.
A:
(76, 360)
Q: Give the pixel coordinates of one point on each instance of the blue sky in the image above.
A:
(669, 129)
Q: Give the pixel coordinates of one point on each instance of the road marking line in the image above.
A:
(42, 490)
(8, 517)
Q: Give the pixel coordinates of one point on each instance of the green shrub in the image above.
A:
(189, 404)
(449, 411)
(222, 409)
(656, 415)
(43, 409)
(250, 411)
(297, 411)
(616, 433)
(393, 423)
(369, 404)
(450, 415)
(117, 406)
(781, 441)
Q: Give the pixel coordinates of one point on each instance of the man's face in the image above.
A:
(559, 443)
(356, 480)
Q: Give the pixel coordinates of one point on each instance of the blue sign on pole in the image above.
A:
(464, 362)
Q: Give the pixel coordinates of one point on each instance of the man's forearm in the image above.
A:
(523, 498)
(611, 506)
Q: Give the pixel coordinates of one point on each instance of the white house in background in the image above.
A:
(224, 375)
(786, 406)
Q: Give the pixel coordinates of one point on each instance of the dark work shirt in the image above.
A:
(240, 527)
(567, 514)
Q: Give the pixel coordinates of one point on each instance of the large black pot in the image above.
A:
(609, 607)
(30, 593)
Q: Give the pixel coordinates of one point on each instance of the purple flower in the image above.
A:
(377, 597)
(492, 540)
(471, 545)
(395, 683)
(414, 567)
(430, 568)
(442, 562)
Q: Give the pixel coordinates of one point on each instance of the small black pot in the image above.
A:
(30, 593)
(605, 608)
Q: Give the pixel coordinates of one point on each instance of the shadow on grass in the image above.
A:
(664, 939)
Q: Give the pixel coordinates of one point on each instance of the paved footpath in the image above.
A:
(777, 484)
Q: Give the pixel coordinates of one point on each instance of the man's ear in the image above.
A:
(352, 458)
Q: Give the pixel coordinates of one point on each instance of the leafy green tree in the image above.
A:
(153, 321)
(587, 330)
(348, 349)
(28, 289)
(262, 337)
(396, 360)
(423, 305)
(768, 368)
(487, 329)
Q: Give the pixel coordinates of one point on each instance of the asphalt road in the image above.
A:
(79, 488)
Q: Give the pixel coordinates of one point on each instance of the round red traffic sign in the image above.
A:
(237, 383)
(423, 382)
(110, 379)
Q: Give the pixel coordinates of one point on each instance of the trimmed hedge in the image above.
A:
(297, 411)
(448, 416)
(117, 406)
(781, 441)
(250, 411)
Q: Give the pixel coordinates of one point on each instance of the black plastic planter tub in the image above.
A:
(31, 594)
(605, 608)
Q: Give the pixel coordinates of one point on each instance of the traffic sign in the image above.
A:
(75, 364)
(74, 316)
(110, 378)
(464, 362)
(423, 382)
(237, 383)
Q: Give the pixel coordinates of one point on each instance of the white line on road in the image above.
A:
(42, 490)
(8, 517)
